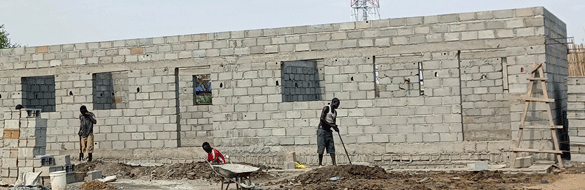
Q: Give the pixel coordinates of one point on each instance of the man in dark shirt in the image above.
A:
(324, 133)
(85, 133)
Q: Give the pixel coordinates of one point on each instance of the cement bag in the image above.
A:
(28, 179)
(32, 179)
(20, 180)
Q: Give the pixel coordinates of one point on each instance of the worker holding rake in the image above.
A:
(324, 133)
(87, 120)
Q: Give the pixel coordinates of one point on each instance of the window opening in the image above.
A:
(376, 78)
(300, 81)
(110, 90)
(202, 90)
(420, 79)
(39, 93)
(505, 73)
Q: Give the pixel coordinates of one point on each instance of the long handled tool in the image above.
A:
(344, 148)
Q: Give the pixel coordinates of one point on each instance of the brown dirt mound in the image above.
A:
(364, 177)
(194, 170)
(578, 168)
(96, 185)
(107, 168)
(345, 172)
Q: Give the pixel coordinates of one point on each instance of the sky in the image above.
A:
(50, 22)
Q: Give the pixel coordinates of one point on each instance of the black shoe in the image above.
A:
(80, 156)
(89, 157)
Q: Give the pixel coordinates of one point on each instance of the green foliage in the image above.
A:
(4, 40)
(203, 99)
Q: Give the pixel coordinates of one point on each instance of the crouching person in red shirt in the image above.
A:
(213, 155)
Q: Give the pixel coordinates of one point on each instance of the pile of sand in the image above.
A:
(96, 185)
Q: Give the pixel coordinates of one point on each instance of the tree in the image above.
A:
(4, 40)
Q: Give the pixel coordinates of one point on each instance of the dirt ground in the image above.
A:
(364, 177)
(198, 175)
(188, 171)
(96, 185)
(187, 176)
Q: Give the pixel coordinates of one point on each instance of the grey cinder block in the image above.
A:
(93, 175)
(62, 160)
(523, 162)
(289, 165)
(478, 166)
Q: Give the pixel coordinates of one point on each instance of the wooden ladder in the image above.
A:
(553, 128)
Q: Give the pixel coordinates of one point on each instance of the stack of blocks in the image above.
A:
(24, 145)
(24, 138)
(289, 163)
(576, 117)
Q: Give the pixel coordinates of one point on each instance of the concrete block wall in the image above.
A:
(146, 123)
(24, 139)
(491, 110)
(556, 63)
(556, 69)
(395, 155)
(486, 109)
(196, 124)
(400, 79)
(72, 90)
(11, 95)
(12, 91)
(372, 66)
(433, 115)
(576, 117)
(150, 119)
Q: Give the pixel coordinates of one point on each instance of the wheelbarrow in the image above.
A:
(235, 173)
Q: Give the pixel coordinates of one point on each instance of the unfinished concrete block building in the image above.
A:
(415, 92)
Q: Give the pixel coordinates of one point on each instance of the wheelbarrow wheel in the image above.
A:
(245, 182)
(239, 179)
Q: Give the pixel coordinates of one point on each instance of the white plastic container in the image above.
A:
(58, 180)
